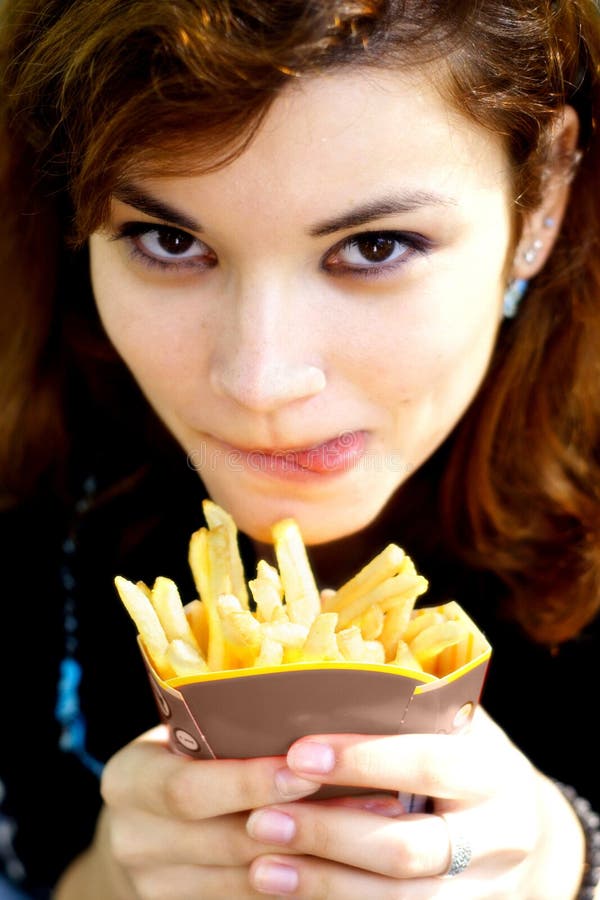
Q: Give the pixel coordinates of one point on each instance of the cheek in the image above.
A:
(437, 342)
(163, 348)
(169, 367)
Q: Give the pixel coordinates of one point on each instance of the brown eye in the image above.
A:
(375, 248)
(169, 246)
(174, 242)
(371, 253)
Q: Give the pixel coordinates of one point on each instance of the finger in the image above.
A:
(147, 775)
(183, 882)
(469, 767)
(306, 877)
(143, 839)
(412, 846)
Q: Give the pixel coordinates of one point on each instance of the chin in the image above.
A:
(319, 523)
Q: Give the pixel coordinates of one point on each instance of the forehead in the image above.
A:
(352, 132)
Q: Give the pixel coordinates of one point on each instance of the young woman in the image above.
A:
(337, 261)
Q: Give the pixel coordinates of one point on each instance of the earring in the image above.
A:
(531, 253)
(513, 295)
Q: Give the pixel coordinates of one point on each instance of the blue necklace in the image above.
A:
(67, 711)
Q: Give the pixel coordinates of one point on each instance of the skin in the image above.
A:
(271, 349)
(268, 348)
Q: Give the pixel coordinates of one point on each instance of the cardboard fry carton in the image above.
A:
(252, 712)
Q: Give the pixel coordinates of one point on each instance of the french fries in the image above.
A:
(281, 618)
(139, 606)
(301, 595)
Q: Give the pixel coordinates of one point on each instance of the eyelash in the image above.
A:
(132, 230)
(415, 244)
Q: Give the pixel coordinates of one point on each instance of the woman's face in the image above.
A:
(312, 320)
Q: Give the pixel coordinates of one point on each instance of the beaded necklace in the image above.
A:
(67, 711)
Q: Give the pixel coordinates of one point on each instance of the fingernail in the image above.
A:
(274, 878)
(290, 786)
(270, 826)
(309, 756)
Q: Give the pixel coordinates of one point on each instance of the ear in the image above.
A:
(542, 225)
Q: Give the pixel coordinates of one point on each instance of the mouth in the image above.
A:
(332, 456)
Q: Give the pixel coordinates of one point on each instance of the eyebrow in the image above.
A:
(152, 206)
(389, 205)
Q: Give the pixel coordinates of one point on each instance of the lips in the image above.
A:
(329, 457)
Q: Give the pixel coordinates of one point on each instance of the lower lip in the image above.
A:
(334, 457)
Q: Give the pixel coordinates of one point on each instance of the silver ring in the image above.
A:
(461, 851)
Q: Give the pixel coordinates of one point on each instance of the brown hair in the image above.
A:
(95, 91)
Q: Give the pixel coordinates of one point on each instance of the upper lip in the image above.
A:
(295, 448)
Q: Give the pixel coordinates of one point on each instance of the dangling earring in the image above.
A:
(531, 254)
(514, 293)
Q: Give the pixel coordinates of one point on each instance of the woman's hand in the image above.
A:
(181, 828)
(176, 827)
(525, 842)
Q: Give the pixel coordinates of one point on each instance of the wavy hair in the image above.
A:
(94, 92)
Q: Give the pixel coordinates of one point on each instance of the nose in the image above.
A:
(266, 352)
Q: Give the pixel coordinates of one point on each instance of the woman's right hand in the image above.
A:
(175, 827)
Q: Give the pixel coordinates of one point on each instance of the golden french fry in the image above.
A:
(354, 648)
(267, 593)
(371, 623)
(195, 613)
(373, 652)
(445, 662)
(217, 517)
(432, 640)
(421, 619)
(271, 653)
(166, 601)
(206, 557)
(280, 615)
(471, 644)
(394, 626)
(147, 622)
(380, 568)
(228, 603)
(185, 658)
(240, 628)
(265, 570)
(350, 643)
(289, 634)
(406, 585)
(406, 658)
(463, 651)
(144, 587)
(241, 632)
(218, 552)
(321, 642)
(302, 598)
(144, 615)
(387, 594)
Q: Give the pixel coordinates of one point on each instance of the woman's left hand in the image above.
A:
(520, 835)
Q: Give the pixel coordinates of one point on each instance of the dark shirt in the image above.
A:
(59, 601)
